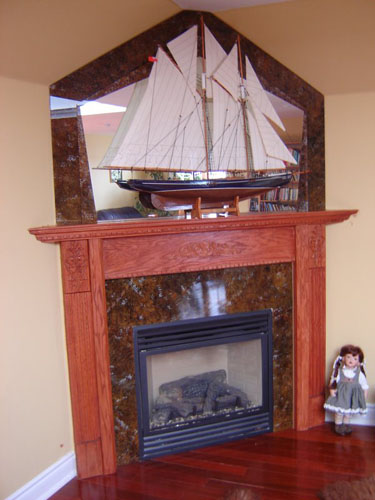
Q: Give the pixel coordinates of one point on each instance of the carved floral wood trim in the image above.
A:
(92, 253)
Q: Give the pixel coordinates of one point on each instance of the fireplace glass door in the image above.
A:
(203, 381)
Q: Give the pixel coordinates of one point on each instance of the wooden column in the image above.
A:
(310, 315)
(88, 360)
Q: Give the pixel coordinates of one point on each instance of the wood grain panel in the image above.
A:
(89, 459)
(144, 256)
(302, 328)
(102, 357)
(82, 368)
(80, 345)
(317, 334)
(317, 263)
(310, 324)
(317, 413)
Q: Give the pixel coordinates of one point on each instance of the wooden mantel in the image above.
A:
(92, 253)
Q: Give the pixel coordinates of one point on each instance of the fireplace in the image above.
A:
(94, 253)
(194, 296)
(203, 381)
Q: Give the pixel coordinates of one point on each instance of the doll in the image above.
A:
(348, 388)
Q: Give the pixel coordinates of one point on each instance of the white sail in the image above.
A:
(227, 74)
(215, 54)
(258, 97)
(110, 157)
(260, 158)
(184, 50)
(166, 132)
(265, 148)
(274, 147)
(163, 127)
(229, 150)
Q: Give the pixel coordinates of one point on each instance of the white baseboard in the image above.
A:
(49, 481)
(368, 419)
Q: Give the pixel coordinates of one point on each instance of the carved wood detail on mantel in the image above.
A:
(92, 253)
(170, 225)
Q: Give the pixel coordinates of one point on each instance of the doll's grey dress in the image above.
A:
(350, 398)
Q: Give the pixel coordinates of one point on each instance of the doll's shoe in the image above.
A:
(347, 429)
(339, 429)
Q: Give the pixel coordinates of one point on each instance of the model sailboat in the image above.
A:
(199, 114)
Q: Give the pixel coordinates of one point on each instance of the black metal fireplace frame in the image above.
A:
(190, 334)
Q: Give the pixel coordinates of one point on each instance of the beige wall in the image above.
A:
(35, 424)
(35, 414)
(350, 176)
(328, 43)
(45, 40)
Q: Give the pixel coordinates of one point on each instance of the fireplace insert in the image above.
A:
(203, 381)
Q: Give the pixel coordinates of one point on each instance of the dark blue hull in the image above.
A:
(157, 186)
(177, 195)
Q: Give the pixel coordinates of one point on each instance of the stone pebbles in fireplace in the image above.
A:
(203, 381)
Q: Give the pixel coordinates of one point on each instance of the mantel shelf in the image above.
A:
(171, 225)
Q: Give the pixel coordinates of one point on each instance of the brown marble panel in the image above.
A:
(74, 200)
(155, 299)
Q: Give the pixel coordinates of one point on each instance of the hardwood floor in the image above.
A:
(286, 465)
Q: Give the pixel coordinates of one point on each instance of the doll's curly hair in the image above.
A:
(354, 350)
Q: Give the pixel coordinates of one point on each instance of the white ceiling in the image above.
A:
(218, 5)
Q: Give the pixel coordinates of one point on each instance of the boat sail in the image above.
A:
(199, 114)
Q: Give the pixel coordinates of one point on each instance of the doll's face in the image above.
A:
(351, 361)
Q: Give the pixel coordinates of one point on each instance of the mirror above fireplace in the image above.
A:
(127, 64)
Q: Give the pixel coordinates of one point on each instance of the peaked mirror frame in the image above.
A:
(129, 63)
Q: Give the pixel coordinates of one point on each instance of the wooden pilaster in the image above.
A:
(310, 314)
(102, 355)
(87, 345)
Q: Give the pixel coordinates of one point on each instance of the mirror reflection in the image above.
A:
(204, 129)
(101, 120)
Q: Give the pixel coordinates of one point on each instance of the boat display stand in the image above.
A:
(233, 208)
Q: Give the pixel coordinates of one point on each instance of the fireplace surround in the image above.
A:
(91, 254)
(170, 298)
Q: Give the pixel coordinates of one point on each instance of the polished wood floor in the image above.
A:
(286, 465)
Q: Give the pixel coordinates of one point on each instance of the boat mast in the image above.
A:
(249, 153)
(204, 98)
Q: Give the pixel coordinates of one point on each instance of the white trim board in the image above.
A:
(45, 484)
(368, 419)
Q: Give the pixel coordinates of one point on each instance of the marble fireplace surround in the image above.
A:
(92, 253)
